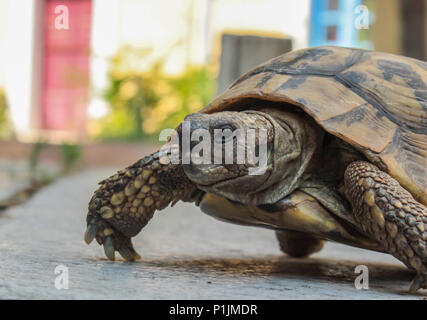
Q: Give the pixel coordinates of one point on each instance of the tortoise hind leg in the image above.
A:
(297, 244)
(389, 214)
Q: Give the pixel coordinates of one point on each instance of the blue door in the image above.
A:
(333, 23)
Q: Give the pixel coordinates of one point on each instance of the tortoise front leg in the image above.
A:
(389, 214)
(126, 201)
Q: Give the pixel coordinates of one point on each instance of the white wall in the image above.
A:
(183, 31)
(288, 17)
(17, 62)
(4, 7)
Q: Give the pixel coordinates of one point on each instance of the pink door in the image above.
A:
(66, 65)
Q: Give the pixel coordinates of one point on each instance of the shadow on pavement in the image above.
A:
(388, 278)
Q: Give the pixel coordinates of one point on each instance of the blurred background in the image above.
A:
(92, 82)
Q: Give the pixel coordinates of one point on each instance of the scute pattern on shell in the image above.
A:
(375, 101)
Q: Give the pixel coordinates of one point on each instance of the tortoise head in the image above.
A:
(249, 156)
(222, 147)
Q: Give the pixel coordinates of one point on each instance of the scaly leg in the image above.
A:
(125, 202)
(389, 214)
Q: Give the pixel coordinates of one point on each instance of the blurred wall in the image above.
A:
(4, 6)
(400, 27)
(388, 26)
(414, 20)
(187, 31)
(425, 30)
(19, 63)
(184, 32)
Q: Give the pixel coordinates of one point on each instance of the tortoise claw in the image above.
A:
(419, 282)
(135, 254)
(90, 233)
(110, 239)
(109, 248)
(126, 253)
(139, 187)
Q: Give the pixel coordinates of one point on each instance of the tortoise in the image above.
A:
(346, 159)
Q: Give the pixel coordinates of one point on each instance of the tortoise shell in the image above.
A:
(375, 101)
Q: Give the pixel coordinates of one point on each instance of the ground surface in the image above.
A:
(185, 255)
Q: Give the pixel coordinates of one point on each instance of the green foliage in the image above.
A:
(70, 154)
(37, 175)
(35, 155)
(5, 125)
(144, 101)
(194, 89)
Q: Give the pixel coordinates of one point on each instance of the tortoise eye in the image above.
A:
(223, 133)
(226, 127)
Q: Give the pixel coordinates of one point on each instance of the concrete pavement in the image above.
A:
(185, 255)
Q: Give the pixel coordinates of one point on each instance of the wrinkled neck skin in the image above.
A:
(297, 143)
(294, 144)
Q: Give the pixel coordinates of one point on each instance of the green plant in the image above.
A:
(143, 102)
(38, 178)
(34, 159)
(5, 125)
(71, 155)
(186, 93)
